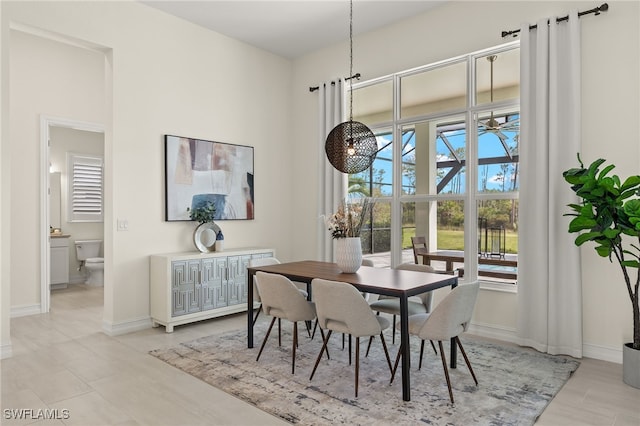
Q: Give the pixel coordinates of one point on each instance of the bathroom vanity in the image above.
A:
(59, 260)
(193, 286)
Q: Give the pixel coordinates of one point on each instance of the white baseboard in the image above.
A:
(505, 334)
(494, 332)
(6, 350)
(25, 310)
(602, 353)
(116, 329)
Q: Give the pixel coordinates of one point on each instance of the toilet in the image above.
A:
(88, 253)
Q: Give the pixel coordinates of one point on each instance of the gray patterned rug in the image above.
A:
(515, 384)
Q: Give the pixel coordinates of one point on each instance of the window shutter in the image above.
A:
(85, 188)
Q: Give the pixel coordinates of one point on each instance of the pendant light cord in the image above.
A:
(350, 59)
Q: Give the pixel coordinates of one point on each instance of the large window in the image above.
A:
(447, 163)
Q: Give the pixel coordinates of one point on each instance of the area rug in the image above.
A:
(515, 384)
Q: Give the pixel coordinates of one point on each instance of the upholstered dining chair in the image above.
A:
(281, 299)
(341, 308)
(449, 319)
(417, 305)
(267, 261)
(416, 243)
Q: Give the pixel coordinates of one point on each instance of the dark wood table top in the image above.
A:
(389, 282)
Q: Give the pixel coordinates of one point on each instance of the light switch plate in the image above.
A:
(123, 225)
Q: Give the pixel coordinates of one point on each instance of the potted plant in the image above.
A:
(345, 226)
(204, 213)
(609, 215)
(206, 233)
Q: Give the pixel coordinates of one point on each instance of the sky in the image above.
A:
(489, 146)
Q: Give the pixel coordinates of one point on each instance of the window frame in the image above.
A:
(471, 195)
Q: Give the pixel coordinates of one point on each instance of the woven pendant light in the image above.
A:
(351, 146)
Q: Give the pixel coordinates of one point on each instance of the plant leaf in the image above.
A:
(587, 236)
(603, 251)
(581, 223)
(630, 263)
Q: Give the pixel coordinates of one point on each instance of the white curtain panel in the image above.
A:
(332, 183)
(549, 277)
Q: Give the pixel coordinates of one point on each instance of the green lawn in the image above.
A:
(454, 240)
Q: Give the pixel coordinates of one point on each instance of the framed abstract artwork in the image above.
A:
(198, 172)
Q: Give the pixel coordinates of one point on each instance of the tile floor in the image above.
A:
(62, 361)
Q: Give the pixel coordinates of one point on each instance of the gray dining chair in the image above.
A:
(281, 299)
(419, 304)
(449, 319)
(268, 261)
(341, 308)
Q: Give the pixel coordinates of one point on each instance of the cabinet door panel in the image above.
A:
(237, 283)
(208, 283)
(185, 287)
(218, 286)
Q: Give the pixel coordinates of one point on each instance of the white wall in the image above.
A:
(51, 78)
(162, 76)
(610, 108)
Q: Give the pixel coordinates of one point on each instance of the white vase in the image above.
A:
(349, 254)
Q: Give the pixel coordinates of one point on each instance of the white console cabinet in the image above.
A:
(188, 287)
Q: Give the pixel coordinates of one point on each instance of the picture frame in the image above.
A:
(200, 171)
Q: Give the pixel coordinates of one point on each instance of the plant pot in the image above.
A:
(349, 254)
(631, 365)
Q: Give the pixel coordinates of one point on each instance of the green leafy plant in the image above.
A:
(609, 215)
(203, 214)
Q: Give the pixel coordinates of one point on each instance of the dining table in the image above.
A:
(367, 279)
(508, 262)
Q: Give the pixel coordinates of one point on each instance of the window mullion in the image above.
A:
(470, 205)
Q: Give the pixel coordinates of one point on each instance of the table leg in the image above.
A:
(250, 309)
(406, 350)
(453, 353)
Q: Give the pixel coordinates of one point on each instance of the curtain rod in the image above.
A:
(356, 76)
(596, 10)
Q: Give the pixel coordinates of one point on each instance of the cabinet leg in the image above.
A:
(154, 324)
(168, 329)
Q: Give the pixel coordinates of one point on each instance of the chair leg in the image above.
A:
(368, 346)
(446, 370)
(279, 332)
(315, 326)
(349, 349)
(293, 350)
(257, 313)
(464, 354)
(324, 346)
(422, 351)
(395, 365)
(386, 351)
(357, 361)
(265, 338)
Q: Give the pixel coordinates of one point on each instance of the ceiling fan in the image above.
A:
(492, 124)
